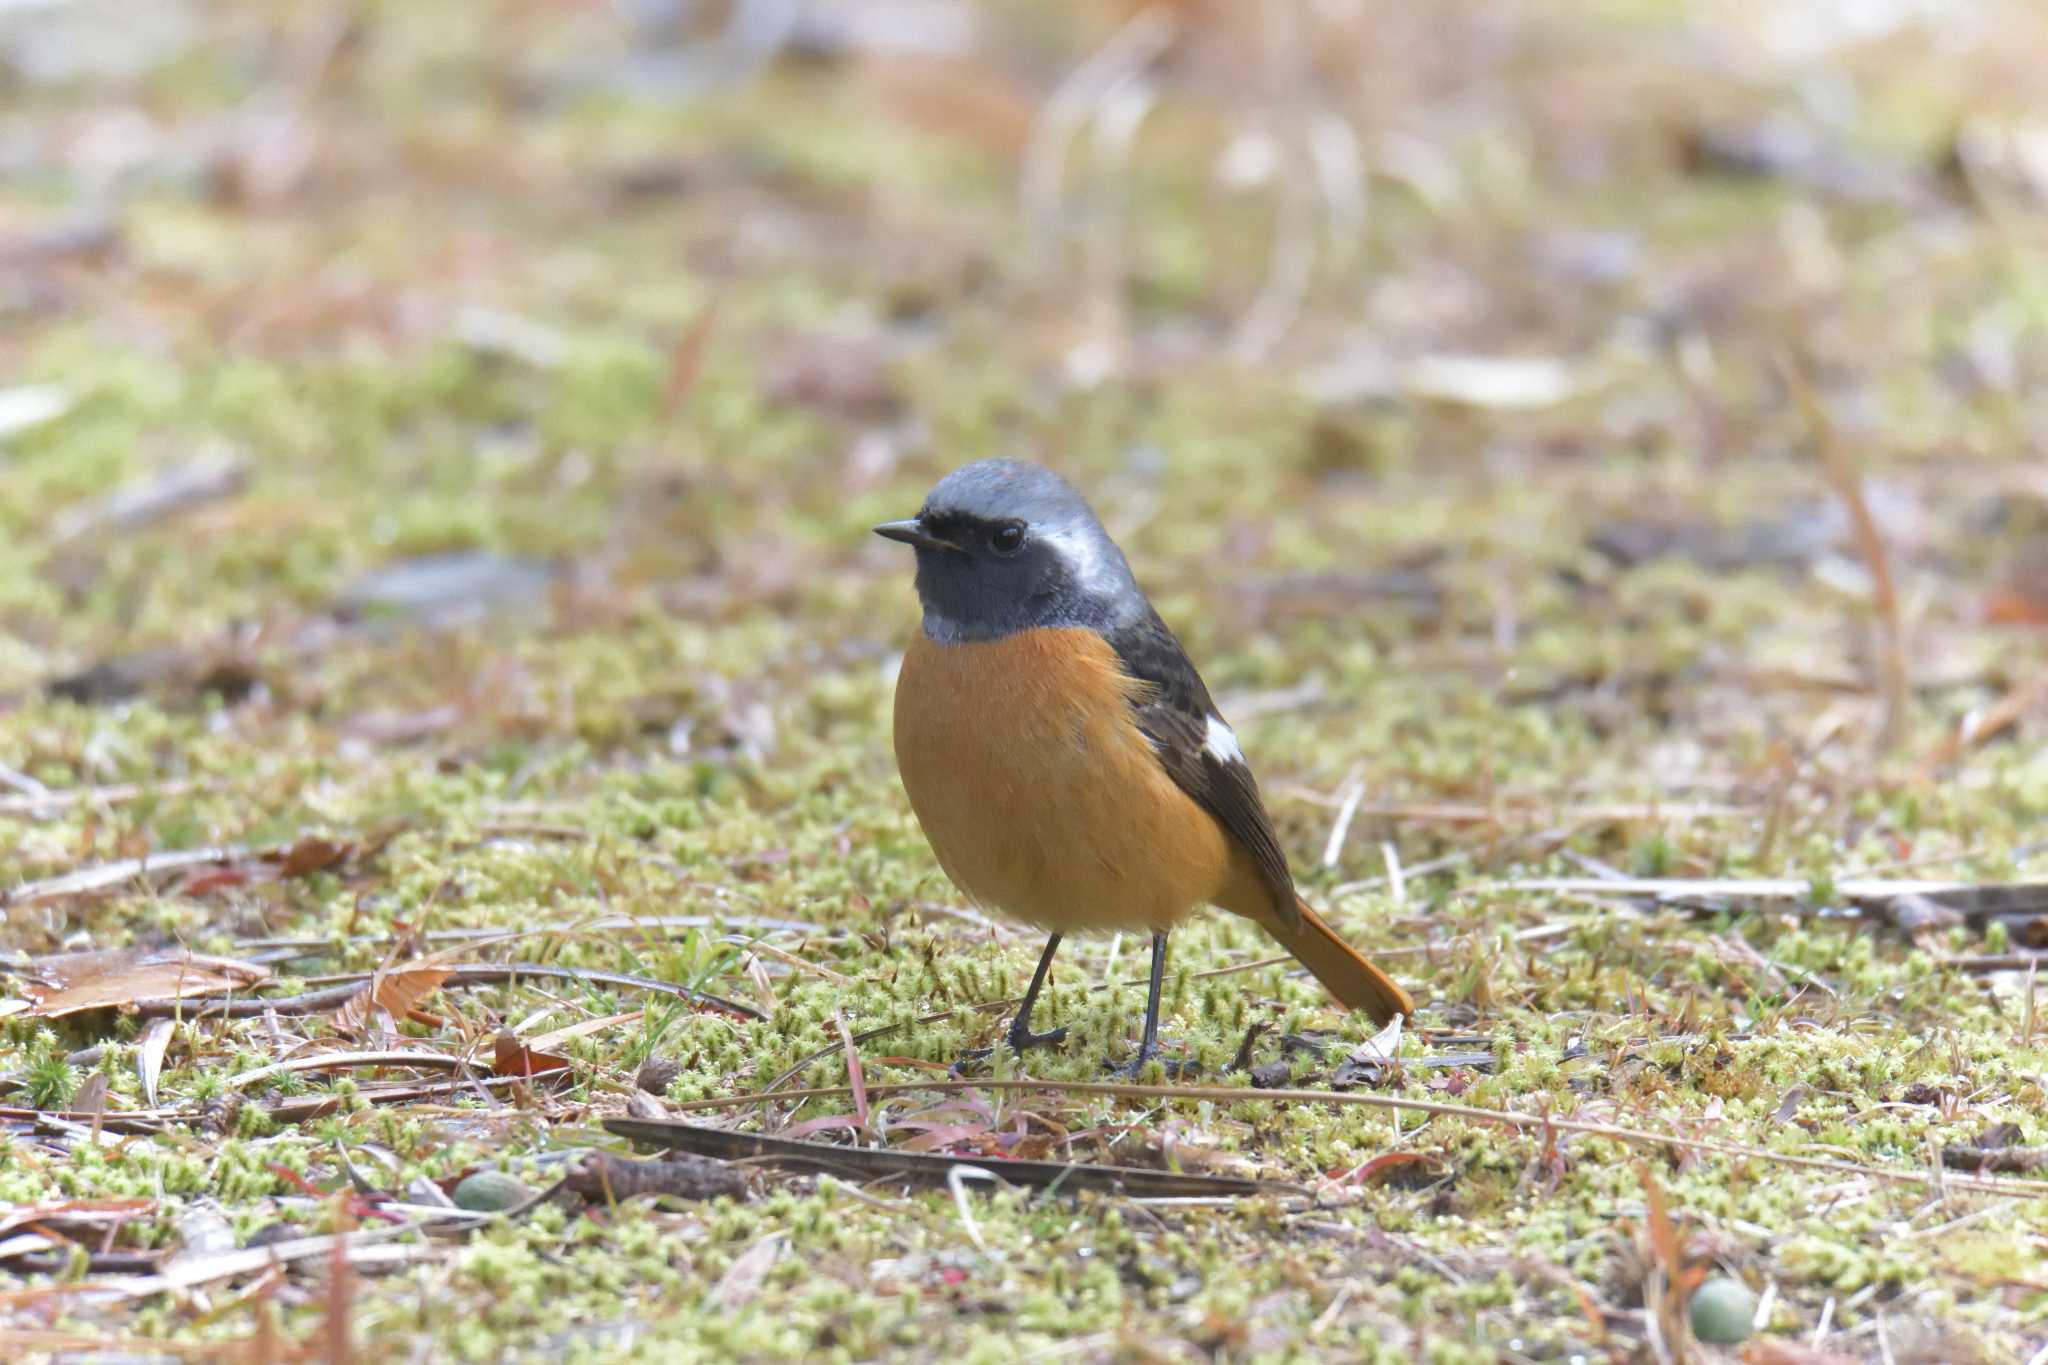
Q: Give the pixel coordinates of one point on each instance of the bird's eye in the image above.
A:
(1007, 539)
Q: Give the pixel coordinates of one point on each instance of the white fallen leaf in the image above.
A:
(1487, 381)
(1383, 1047)
(493, 331)
(149, 1056)
(744, 1277)
(203, 1233)
(30, 406)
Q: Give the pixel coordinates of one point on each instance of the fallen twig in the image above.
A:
(134, 505)
(1854, 890)
(602, 1178)
(1992, 962)
(870, 1163)
(305, 1108)
(471, 974)
(30, 1339)
(1507, 809)
(2032, 1189)
(132, 1122)
(49, 802)
(104, 876)
(2007, 1160)
(341, 1061)
(611, 923)
(360, 1248)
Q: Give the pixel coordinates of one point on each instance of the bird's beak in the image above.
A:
(912, 532)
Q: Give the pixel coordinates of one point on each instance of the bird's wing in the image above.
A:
(1199, 749)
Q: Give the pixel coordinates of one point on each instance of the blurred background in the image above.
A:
(1576, 438)
(1665, 378)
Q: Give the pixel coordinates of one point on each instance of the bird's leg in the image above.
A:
(1148, 1045)
(1020, 1037)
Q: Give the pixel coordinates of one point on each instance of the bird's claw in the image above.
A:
(1019, 1040)
(1177, 1068)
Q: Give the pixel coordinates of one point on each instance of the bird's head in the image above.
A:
(1004, 546)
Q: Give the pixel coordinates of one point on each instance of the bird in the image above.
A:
(1064, 757)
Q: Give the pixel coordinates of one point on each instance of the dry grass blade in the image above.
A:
(956, 1182)
(869, 1163)
(337, 1337)
(1893, 676)
(686, 362)
(855, 1077)
(1079, 98)
(554, 1038)
(1667, 1256)
(789, 959)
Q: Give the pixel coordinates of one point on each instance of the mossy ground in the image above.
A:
(691, 715)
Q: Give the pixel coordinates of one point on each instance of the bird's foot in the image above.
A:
(1177, 1068)
(1019, 1040)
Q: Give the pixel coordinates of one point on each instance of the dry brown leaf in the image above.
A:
(397, 992)
(72, 982)
(311, 854)
(512, 1058)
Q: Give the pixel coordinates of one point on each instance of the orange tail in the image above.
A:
(1348, 974)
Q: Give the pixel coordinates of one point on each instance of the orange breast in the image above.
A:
(1040, 795)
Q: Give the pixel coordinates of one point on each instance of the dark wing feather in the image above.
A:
(1173, 711)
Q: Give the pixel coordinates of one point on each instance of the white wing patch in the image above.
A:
(1222, 742)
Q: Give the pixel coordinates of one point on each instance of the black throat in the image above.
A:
(971, 592)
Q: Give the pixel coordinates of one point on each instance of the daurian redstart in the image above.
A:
(1064, 756)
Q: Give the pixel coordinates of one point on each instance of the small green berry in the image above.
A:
(490, 1192)
(1721, 1311)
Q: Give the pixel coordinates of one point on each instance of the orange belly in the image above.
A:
(1040, 795)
